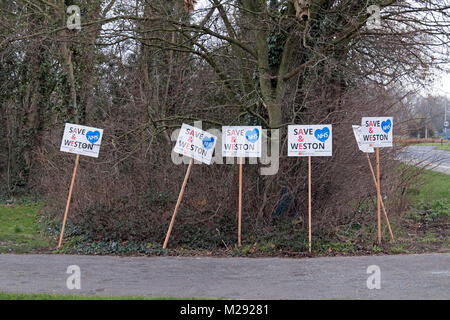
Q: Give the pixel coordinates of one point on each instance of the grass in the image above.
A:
(399, 249)
(45, 296)
(440, 146)
(430, 213)
(434, 186)
(430, 199)
(430, 237)
(19, 231)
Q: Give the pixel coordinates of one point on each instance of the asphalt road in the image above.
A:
(402, 277)
(427, 156)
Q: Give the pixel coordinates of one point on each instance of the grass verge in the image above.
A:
(19, 229)
(44, 296)
(440, 146)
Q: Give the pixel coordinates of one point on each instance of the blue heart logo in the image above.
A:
(208, 142)
(93, 136)
(386, 125)
(252, 135)
(322, 134)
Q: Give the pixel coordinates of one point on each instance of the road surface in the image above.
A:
(402, 276)
(428, 156)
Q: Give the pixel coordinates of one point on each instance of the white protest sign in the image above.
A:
(81, 140)
(358, 136)
(310, 140)
(377, 132)
(241, 141)
(195, 143)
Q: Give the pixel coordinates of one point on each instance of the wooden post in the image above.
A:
(180, 196)
(309, 204)
(377, 150)
(77, 159)
(240, 202)
(382, 203)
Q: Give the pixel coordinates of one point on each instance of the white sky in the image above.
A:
(442, 86)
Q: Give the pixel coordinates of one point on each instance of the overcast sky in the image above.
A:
(443, 85)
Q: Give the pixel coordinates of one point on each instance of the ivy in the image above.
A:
(275, 44)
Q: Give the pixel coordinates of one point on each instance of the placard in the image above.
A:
(310, 140)
(81, 140)
(358, 136)
(195, 143)
(377, 132)
(241, 141)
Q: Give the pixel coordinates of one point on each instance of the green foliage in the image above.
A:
(275, 44)
(431, 211)
(399, 249)
(430, 237)
(341, 247)
(377, 249)
(80, 245)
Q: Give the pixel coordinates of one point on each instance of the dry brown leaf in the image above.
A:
(189, 5)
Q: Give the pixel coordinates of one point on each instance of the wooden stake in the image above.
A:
(180, 196)
(240, 202)
(382, 203)
(309, 203)
(377, 150)
(77, 159)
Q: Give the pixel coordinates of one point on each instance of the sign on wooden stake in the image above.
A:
(310, 141)
(366, 149)
(241, 142)
(80, 140)
(377, 132)
(196, 144)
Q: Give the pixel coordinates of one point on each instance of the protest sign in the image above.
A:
(358, 136)
(310, 140)
(366, 149)
(241, 141)
(377, 132)
(196, 144)
(79, 140)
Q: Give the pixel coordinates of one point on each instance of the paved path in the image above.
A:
(402, 276)
(427, 156)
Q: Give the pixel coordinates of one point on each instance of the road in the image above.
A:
(402, 276)
(428, 156)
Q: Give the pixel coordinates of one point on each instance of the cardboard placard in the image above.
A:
(81, 140)
(241, 141)
(310, 140)
(358, 136)
(377, 132)
(195, 143)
